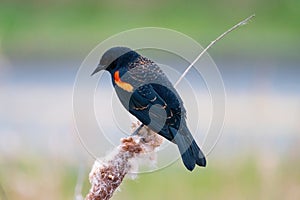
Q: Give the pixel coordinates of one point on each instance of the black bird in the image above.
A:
(146, 92)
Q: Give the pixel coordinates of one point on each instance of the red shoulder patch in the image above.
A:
(124, 85)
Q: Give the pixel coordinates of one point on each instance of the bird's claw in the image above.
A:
(136, 132)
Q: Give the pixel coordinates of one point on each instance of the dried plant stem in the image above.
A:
(79, 183)
(106, 177)
(244, 22)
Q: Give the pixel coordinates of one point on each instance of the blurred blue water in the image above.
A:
(263, 105)
(281, 76)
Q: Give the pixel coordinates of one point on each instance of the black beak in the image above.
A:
(99, 68)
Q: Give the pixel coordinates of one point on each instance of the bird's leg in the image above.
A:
(137, 130)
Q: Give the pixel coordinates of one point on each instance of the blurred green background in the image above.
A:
(60, 28)
(42, 44)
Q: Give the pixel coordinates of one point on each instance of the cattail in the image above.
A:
(106, 176)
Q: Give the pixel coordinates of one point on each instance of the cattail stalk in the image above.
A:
(106, 176)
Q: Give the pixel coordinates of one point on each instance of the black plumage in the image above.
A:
(146, 92)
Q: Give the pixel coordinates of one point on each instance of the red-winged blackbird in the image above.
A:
(146, 92)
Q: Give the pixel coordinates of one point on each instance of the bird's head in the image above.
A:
(109, 59)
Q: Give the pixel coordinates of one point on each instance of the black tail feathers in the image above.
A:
(190, 152)
(198, 154)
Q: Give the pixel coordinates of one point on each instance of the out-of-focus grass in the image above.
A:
(55, 27)
(245, 178)
(214, 182)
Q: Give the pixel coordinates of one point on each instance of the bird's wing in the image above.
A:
(154, 99)
(144, 74)
(145, 71)
(147, 105)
